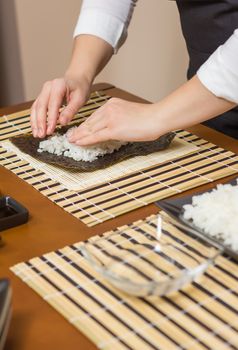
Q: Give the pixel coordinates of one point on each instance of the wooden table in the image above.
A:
(35, 325)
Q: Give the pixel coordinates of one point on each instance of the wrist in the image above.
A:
(160, 118)
(90, 55)
(79, 77)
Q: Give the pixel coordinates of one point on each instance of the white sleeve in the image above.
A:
(107, 19)
(220, 72)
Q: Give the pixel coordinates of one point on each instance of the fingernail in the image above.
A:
(41, 132)
(73, 136)
(34, 132)
(70, 132)
(63, 120)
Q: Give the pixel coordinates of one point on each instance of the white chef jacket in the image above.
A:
(109, 20)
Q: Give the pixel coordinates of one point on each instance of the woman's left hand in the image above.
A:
(118, 120)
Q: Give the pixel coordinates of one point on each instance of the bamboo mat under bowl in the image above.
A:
(202, 315)
(202, 162)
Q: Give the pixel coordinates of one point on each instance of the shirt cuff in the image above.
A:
(220, 72)
(102, 25)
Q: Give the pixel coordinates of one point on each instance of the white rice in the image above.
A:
(59, 145)
(216, 213)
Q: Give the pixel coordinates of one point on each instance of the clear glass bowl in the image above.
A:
(143, 260)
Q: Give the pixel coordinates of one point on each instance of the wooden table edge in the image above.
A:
(26, 330)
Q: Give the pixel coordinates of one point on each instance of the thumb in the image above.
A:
(74, 104)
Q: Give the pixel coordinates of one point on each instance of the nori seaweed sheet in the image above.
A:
(28, 144)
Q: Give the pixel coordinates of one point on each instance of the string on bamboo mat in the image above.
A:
(200, 316)
(201, 163)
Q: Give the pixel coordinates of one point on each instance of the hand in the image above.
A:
(118, 120)
(45, 111)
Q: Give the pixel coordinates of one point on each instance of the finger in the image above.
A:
(96, 116)
(56, 97)
(95, 122)
(100, 136)
(75, 134)
(41, 109)
(86, 130)
(75, 102)
(33, 120)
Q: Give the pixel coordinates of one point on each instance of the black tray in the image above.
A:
(174, 208)
(12, 213)
(5, 310)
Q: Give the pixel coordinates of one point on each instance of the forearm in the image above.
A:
(90, 55)
(190, 104)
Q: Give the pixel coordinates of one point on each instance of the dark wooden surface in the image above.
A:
(36, 325)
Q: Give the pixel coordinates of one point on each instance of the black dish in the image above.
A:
(5, 310)
(174, 208)
(12, 213)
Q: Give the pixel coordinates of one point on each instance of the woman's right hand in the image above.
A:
(45, 111)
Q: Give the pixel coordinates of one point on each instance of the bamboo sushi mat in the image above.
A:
(202, 315)
(108, 199)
